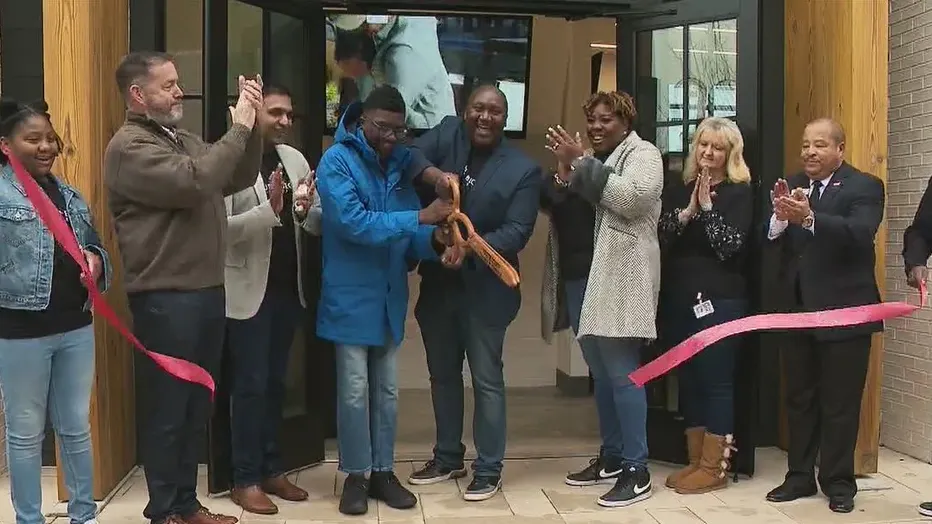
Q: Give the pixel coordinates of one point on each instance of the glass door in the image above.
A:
(682, 73)
(279, 43)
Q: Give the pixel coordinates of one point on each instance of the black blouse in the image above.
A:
(705, 255)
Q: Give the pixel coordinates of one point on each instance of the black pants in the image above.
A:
(824, 385)
(188, 325)
(260, 347)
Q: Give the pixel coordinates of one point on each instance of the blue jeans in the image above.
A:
(451, 333)
(707, 394)
(621, 406)
(260, 347)
(367, 407)
(55, 373)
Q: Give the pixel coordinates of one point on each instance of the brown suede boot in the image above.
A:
(713, 466)
(694, 451)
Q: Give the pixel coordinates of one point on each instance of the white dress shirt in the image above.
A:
(777, 226)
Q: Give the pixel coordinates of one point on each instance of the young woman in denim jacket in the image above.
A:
(46, 331)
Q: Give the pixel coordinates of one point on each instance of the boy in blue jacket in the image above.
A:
(373, 227)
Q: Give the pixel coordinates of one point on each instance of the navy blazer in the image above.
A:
(503, 208)
(834, 267)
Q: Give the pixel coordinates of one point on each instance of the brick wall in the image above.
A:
(906, 405)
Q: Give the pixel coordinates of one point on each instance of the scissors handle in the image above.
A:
(496, 262)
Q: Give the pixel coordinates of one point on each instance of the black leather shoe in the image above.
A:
(841, 503)
(789, 491)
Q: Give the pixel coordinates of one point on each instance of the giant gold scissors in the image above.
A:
(497, 263)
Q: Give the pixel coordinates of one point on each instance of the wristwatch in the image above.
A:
(809, 220)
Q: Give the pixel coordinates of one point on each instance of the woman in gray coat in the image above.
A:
(611, 305)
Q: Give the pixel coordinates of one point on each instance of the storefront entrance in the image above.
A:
(682, 63)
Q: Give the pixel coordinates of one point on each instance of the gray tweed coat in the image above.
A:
(624, 280)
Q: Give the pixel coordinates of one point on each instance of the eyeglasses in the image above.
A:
(388, 131)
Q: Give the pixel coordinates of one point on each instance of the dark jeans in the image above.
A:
(452, 332)
(707, 390)
(824, 386)
(260, 347)
(188, 325)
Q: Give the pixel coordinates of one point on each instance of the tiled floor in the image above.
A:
(534, 493)
(541, 452)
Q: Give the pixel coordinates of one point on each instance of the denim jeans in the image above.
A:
(621, 406)
(367, 407)
(55, 373)
(188, 325)
(452, 333)
(260, 347)
(707, 396)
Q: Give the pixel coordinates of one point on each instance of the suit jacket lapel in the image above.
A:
(834, 186)
(292, 165)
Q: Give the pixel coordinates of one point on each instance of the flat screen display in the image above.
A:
(434, 61)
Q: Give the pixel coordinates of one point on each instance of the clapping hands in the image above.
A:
(792, 206)
(564, 146)
(303, 194)
(277, 190)
(249, 102)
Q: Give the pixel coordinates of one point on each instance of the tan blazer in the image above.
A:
(250, 220)
(624, 279)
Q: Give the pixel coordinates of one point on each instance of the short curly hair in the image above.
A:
(619, 102)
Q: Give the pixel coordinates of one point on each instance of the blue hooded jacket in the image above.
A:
(370, 231)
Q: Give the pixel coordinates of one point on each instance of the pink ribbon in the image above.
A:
(847, 316)
(64, 235)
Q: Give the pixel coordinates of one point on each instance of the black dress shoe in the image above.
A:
(789, 491)
(841, 503)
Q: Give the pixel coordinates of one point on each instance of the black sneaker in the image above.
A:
(633, 485)
(355, 497)
(385, 486)
(926, 509)
(599, 471)
(482, 488)
(433, 472)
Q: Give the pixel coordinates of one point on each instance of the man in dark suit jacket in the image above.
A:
(464, 312)
(824, 222)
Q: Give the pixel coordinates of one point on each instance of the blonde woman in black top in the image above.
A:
(703, 230)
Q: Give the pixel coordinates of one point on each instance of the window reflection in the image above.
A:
(184, 39)
(244, 43)
(713, 65)
(667, 68)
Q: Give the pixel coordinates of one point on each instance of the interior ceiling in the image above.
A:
(564, 8)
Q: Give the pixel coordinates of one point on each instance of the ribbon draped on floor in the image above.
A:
(63, 234)
(847, 316)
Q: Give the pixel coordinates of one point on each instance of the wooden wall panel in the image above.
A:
(836, 66)
(83, 43)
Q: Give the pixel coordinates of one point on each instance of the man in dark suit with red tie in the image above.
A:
(823, 225)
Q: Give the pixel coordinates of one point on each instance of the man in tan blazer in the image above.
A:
(265, 301)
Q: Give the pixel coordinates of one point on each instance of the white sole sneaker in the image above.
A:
(623, 503)
(485, 495)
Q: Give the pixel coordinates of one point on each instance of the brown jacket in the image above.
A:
(166, 197)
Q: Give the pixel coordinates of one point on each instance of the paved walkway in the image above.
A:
(534, 493)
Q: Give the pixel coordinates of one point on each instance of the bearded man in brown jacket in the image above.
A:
(166, 189)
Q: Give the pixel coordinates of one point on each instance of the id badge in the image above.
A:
(703, 308)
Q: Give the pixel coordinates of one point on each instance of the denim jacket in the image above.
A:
(27, 247)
